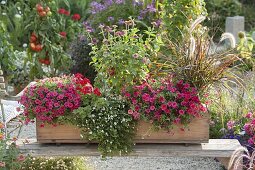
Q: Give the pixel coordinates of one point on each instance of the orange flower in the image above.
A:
(1, 125)
(14, 139)
(1, 136)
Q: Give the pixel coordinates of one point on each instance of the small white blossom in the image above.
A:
(3, 2)
(25, 45)
(17, 16)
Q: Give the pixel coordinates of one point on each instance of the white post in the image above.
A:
(235, 25)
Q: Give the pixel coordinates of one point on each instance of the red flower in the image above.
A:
(61, 11)
(76, 17)
(21, 158)
(63, 34)
(97, 92)
(67, 13)
(78, 75)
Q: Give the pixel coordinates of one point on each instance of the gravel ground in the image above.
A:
(139, 163)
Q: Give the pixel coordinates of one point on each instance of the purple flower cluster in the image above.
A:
(150, 9)
(88, 27)
(97, 7)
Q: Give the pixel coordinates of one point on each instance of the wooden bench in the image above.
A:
(221, 149)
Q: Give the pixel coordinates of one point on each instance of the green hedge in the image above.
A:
(55, 163)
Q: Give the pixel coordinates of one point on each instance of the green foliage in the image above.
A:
(218, 10)
(230, 104)
(123, 58)
(249, 15)
(246, 50)
(79, 52)
(54, 46)
(14, 15)
(55, 163)
(113, 14)
(81, 7)
(179, 14)
(106, 121)
(7, 56)
(10, 157)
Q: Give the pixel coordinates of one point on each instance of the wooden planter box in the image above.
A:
(198, 133)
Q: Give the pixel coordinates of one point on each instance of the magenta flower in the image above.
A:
(230, 124)
(181, 112)
(174, 105)
(152, 107)
(146, 97)
(163, 106)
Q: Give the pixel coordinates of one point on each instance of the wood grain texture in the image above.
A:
(198, 133)
(220, 148)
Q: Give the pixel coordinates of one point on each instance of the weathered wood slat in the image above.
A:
(221, 148)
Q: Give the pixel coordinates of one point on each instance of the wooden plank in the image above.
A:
(198, 133)
(223, 149)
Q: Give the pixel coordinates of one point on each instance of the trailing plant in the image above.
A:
(105, 120)
(123, 58)
(165, 102)
(55, 163)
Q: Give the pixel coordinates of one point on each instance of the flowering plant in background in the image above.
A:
(249, 127)
(164, 102)
(124, 56)
(110, 12)
(52, 27)
(10, 156)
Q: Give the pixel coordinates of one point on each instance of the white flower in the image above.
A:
(3, 2)
(3, 13)
(25, 45)
(17, 16)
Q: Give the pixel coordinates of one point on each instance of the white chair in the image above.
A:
(9, 104)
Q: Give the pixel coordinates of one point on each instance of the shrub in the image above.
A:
(179, 14)
(123, 58)
(79, 52)
(55, 163)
